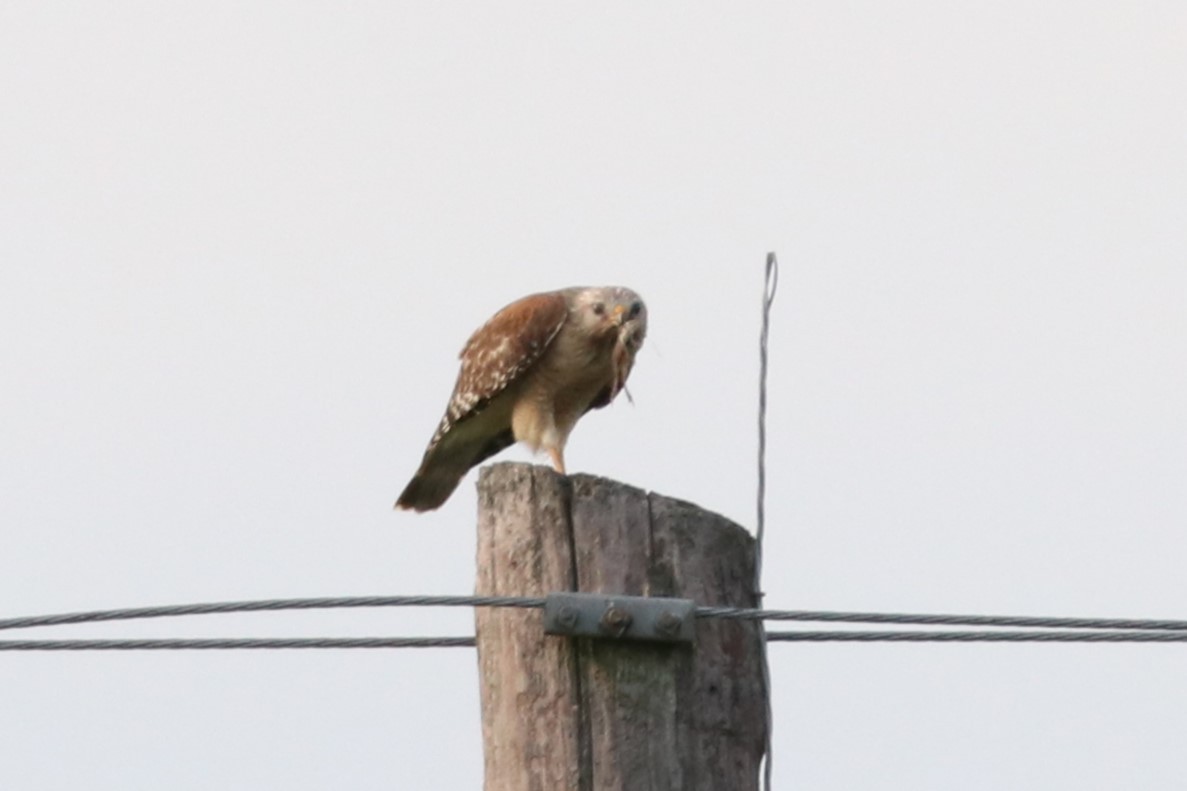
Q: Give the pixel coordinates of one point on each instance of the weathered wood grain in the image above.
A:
(561, 713)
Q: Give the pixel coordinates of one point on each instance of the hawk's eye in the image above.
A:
(598, 308)
(636, 306)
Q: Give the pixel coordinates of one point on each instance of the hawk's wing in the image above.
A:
(495, 356)
(500, 351)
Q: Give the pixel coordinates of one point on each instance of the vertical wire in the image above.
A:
(771, 281)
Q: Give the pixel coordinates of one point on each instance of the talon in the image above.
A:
(558, 460)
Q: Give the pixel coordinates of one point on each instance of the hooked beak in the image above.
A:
(619, 315)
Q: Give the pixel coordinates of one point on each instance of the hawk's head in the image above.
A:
(612, 311)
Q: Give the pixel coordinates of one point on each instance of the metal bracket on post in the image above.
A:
(620, 617)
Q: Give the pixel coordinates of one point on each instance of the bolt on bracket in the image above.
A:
(620, 617)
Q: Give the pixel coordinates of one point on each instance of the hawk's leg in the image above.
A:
(558, 460)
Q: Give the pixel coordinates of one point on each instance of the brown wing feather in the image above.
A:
(500, 351)
(496, 355)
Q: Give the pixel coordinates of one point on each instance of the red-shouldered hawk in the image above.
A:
(527, 375)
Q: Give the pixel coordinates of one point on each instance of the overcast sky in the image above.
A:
(242, 243)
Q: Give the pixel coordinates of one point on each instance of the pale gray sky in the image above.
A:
(241, 244)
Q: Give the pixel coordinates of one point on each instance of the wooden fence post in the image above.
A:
(585, 714)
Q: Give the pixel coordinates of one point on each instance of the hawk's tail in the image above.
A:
(445, 464)
(429, 488)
